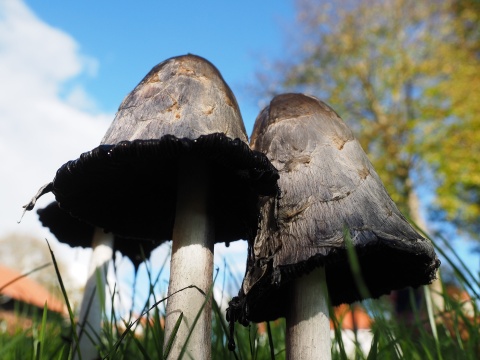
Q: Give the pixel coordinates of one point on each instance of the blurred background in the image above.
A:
(403, 74)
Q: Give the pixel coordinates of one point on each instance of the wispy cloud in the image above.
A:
(41, 125)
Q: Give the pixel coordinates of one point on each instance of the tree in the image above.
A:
(379, 63)
(454, 155)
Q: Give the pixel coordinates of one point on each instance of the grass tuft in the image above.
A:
(423, 332)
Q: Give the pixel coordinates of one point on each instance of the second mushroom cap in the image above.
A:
(328, 187)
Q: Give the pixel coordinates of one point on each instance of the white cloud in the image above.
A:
(39, 129)
(79, 98)
(34, 53)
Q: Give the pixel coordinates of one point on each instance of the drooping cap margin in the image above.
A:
(76, 233)
(117, 188)
(328, 187)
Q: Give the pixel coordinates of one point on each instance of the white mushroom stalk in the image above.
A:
(73, 232)
(191, 264)
(308, 320)
(92, 308)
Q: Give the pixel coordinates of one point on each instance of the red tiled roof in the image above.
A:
(28, 291)
(348, 318)
(345, 316)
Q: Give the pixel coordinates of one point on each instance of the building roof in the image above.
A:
(28, 291)
(351, 317)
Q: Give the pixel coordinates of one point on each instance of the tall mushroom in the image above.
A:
(76, 233)
(328, 187)
(174, 164)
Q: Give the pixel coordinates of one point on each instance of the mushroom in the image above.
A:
(76, 233)
(174, 164)
(330, 193)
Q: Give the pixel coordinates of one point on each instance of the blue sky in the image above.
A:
(126, 39)
(65, 67)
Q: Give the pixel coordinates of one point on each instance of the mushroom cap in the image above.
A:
(182, 109)
(73, 232)
(327, 186)
(183, 96)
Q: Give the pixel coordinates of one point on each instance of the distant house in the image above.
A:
(355, 325)
(20, 297)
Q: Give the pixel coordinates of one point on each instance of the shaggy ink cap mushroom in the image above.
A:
(174, 164)
(73, 232)
(128, 185)
(327, 186)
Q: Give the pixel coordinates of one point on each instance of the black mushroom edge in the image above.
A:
(130, 188)
(385, 266)
(73, 232)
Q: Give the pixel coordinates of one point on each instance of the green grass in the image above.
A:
(452, 334)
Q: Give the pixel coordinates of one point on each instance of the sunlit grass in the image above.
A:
(452, 333)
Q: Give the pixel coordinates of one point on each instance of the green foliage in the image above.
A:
(38, 335)
(366, 59)
(452, 333)
(455, 148)
(457, 337)
(404, 75)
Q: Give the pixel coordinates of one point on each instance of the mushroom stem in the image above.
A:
(308, 321)
(90, 317)
(191, 264)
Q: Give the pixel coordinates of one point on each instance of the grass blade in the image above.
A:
(43, 329)
(65, 296)
(431, 319)
(23, 275)
(124, 334)
(270, 341)
(168, 347)
(372, 354)
(208, 297)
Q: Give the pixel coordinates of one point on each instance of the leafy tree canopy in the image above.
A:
(404, 75)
